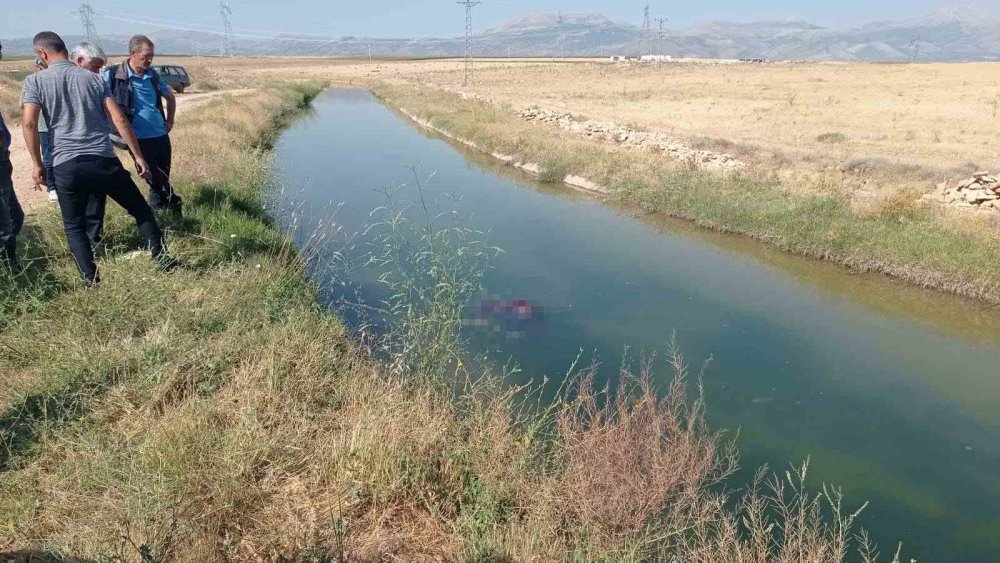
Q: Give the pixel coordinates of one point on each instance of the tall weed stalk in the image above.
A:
(432, 263)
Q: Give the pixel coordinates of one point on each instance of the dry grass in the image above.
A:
(217, 413)
(936, 116)
(10, 93)
(635, 458)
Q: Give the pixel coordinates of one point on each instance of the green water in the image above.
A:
(892, 392)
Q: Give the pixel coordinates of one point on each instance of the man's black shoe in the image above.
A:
(165, 263)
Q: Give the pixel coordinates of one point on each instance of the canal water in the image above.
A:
(892, 392)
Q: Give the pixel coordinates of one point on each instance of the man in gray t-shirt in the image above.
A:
(76, 104)
(72, 102)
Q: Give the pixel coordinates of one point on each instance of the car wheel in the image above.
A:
(179, 89)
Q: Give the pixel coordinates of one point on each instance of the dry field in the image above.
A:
(936, 116)
(873, 133)
(915, 122)
(877, 135)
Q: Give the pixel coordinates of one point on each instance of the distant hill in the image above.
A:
(947, 35)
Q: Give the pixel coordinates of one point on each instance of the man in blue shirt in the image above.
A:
(140, 94)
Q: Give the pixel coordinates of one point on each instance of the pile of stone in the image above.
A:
(628, 137)
(981, 191)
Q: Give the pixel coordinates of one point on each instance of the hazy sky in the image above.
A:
(20, 18)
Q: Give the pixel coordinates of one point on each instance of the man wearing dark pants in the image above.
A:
(75, 184)
(11, 215)
(140, 94)
(76, 103)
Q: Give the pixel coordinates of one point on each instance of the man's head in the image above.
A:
(89, 56)
(50, 47)
(140, 53)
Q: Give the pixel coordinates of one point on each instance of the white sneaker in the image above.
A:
(53, 197)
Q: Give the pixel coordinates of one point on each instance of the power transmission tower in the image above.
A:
(645, 30)
(661, 35)
(562, 37)
(87, 17)
(469, 5)
(915, 49)
(228, 40)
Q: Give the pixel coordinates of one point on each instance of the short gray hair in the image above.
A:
(137, 42)
(88, 52)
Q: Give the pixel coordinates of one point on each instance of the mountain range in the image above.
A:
(947, 35)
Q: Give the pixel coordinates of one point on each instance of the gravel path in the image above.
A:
(34, 199)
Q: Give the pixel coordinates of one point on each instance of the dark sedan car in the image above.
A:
(175, 76)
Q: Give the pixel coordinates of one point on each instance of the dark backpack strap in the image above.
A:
(121, 89)
(159, 96)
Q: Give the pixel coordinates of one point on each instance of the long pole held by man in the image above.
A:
(77, 106)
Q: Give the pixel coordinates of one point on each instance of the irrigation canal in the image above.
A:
(892, 392)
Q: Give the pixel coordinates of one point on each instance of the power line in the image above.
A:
(228, 40)
(86, 12)
(214, 30)
(156, 20)
(469, 5)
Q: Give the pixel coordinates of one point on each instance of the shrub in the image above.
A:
(831, 138)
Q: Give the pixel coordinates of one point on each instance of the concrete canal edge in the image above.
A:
(535, 169)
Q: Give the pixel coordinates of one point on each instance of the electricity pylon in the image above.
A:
(661, 35)
(645, 30)
(469, 5)
(87, 18)
(228, 40)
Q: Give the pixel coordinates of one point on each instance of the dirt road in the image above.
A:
(33, 199)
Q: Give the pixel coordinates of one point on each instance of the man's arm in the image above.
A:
(171, 108)
(29, 128)
(125, 130)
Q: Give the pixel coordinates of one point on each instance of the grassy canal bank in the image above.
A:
(217, 412)
(916, 244)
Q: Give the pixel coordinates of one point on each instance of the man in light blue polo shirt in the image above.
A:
(140, 94)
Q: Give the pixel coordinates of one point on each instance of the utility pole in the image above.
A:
(659, 48)
(228, 40)
(645, 30)
(469, 5)
(915, 49)
(369, 52)
(87, 18)
(561, 39)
